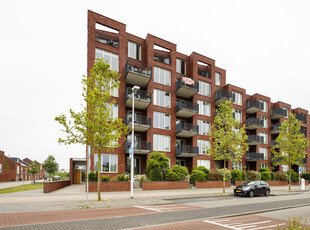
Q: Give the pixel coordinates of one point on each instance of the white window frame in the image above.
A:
(218, 79)
(109, 57)
(303, 169)
(203, 145)
(110, 160)
(284, 168)
(204, 108)
(263, 165)
(265, 105)
(163, 102)
(238, 97)
(237, 115)
(237, 165)
(134, 50)
(160, 120)
(205, 163)
(204, 88)
(179, 66)
(162, 76)
(265, 152)
(204, 127)
(265, 119)
(161, 143)
(0, 168)
(287, 111)
(265, 135)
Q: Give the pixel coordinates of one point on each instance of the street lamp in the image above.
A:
(131, 151)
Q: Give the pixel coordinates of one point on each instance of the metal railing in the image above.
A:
(275, 160)
(165, 60)
(138, 146)
(254, 121)
(140, 95)
(223, 94)
(187, 150)
(139, 119)
(107, 39)
(279, 111)
(254, 156)
(139, 69)
(302, 117)
(255, 138)
(181, 104)
(181, 83)
(254, 103)
(186, 127)
(204, 73)
(273, 143)
(275, 127)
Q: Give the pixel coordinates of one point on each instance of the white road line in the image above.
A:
(152, 209)
(253, 223)
(222, 225)
(221, 221)
(271, 226)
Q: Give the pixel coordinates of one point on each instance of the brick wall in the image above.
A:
(212, 184)
(55, 185)
(165, 185)
(109, 186)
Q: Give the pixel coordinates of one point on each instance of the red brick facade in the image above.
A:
(55, 185)
(109, 186)
(212, 184)
(165, 185)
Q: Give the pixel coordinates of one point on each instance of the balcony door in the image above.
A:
(137, 141)
(137, 117)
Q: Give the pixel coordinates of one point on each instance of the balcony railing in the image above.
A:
(255, 140)
(186, 108)
(253, 106)
(273, 143)
(204, 73)
(186, 150)
(302, 117)
(186, 129)
(142, 123)
(107, 39)
(138, 74)
(303, 131)
(277, 113)
(165, 60)
(139, 146)
(275, 160)
(142, 98)
(254, 123)
(187, 87)
(254, 156)
(222, 95)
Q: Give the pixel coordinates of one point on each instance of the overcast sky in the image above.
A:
(263, 45)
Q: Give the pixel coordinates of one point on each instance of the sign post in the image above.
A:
(87, 171)
(299, 170)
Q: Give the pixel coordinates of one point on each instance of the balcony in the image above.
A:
(138, 75)
(275, 160)
(254, 156)
(277, 113)
(165, 60)
(186, 109)
(107, 39)
(141, 124)
(187, 87)
(255, 140)
(303, 131)
(275, 129)
(254, 123)
(186, 151)
(142, 99)
(141, 147)
(204, 73)
(186, 130)
(302, 117)
(254, 106)
(221, 96)
(273, 143)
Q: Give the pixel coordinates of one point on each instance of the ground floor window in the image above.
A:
(237, 165)
(181, 162)
(303, 169)
(205, 163)
(263, 165)
(109, 163)
(284, 168)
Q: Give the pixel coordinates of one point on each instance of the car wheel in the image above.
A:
(267, 193)
(251, 194)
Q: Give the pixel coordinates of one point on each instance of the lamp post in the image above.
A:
(134, 90)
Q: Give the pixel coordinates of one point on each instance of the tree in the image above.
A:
(95, 124)
(156, 165)
(34, 169)
(291, 145)
(50, 165)
(228, 141)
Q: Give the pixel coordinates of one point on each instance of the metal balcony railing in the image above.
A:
(140, 95)
(273, 143)
(165, 60)
(254, 103)
(252, 156)
(255, 138)
(139, 69)
(204, 73)
(139, 119)
(275, 127)
(183, 83)
(186, 150)
(181, 104)
(223, 94)
(302, 117)
(254, 121)
(138, 146)
(107, 39)
(279, 111)
(187, 127)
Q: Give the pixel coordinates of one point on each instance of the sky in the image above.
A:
(263, 45)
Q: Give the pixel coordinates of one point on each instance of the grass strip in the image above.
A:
(21, 188)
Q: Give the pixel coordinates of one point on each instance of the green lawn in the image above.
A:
(22, 188)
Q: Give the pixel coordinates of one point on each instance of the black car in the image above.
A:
(252, 188)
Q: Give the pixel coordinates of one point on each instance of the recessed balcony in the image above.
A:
(142, 99)
(186, 109)
(275, 129)
(255, 140)
(221, 96)
(186, 130)
(138, 74)
(252, 156)
(275, 160)
(186, 151)
(140, 147)
(277, 113)
(187, 87)
(254, 123)
(254, 106)
(107, 39)
(204, 73)
(141, 124)
(273, 143)
(302, 117)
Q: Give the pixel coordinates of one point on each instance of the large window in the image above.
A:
(218, 79)
(203, 146)
(204, 108)
(237, 165)
(134, 50)
(237, 97)
(286, 109)
(265, 119)
(162, 76)
(161, 120)
(181, 66)
(284, 168)
(265, 135)
(161, 98)
(204, 88)
(265, 152)
(109, 57)
(161, 143)
(205, 163)
(237, 115)
(204, 127)
(114, 110)
(265, 105)
(108, 164)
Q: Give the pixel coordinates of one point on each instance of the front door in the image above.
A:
(137, 165)
(77, 176)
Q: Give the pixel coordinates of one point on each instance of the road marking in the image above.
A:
(267, 221)
(152, 209)
(221, 225)
(271, 226)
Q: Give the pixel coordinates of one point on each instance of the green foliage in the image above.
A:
(21, 188)
(50, 165)
(294, 175)
(92, 177)
(243, 176)
(215, 175)
(198, 175)
(306, 176)
(6, 165)
(264, 170)
(252, 175)
(205, 170)
(281, 176)
(296, 223)
(105, 178)
(176, 173)
(63, 175)
(272, 176)
(142, 179)
(265, 176)
(236, 175)
(113, 179)
(227, 174)
(156, 164)
(122, 177)
(34, 169)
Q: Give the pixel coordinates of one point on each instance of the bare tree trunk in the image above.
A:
(289, 157)
(289, 175)
(224, 177)
(98, 175)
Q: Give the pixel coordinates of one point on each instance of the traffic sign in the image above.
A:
(299, 169)
(130, 151)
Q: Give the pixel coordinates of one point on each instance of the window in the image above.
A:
(161, 143)
(114, 110)
(204, 127)
(265, 152)
(181, 162)
(263, 165)
(162, 76)
(237, 165)
(237, 97)
(137, 141)
(114, 91)
(161, 120)
(161, 98)
(203, 146)
(0, 168)
(265, 125)
(218, 79)
(134, 50)
(265, 105)
(284, 168)
(109, 163)
(204, 108)
(286, 109)
(265, 135)
(181, 66)
(204, 88)
(110, 58)
(205, 163)
(17, 170)
(237, 115)
(303, 169)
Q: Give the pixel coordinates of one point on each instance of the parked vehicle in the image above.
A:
(252, 188)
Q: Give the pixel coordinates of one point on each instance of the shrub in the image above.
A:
(297, 223)
(265, 175)
(176, 173)
(198, 175)
(122, 177)
(227, 174)
(236, 175)
(272, 175)
(215, 175)
(105, 178)
(252, 175)
(294, 175)
(243, 176)
(306, 176)
(156, 165)
(281, 176)
(264, 170)
(141, 179)
(113, 179)
(205, 170)
(92, 176)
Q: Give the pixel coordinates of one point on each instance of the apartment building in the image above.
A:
(176, 103)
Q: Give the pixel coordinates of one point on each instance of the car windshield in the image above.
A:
(248, 183)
